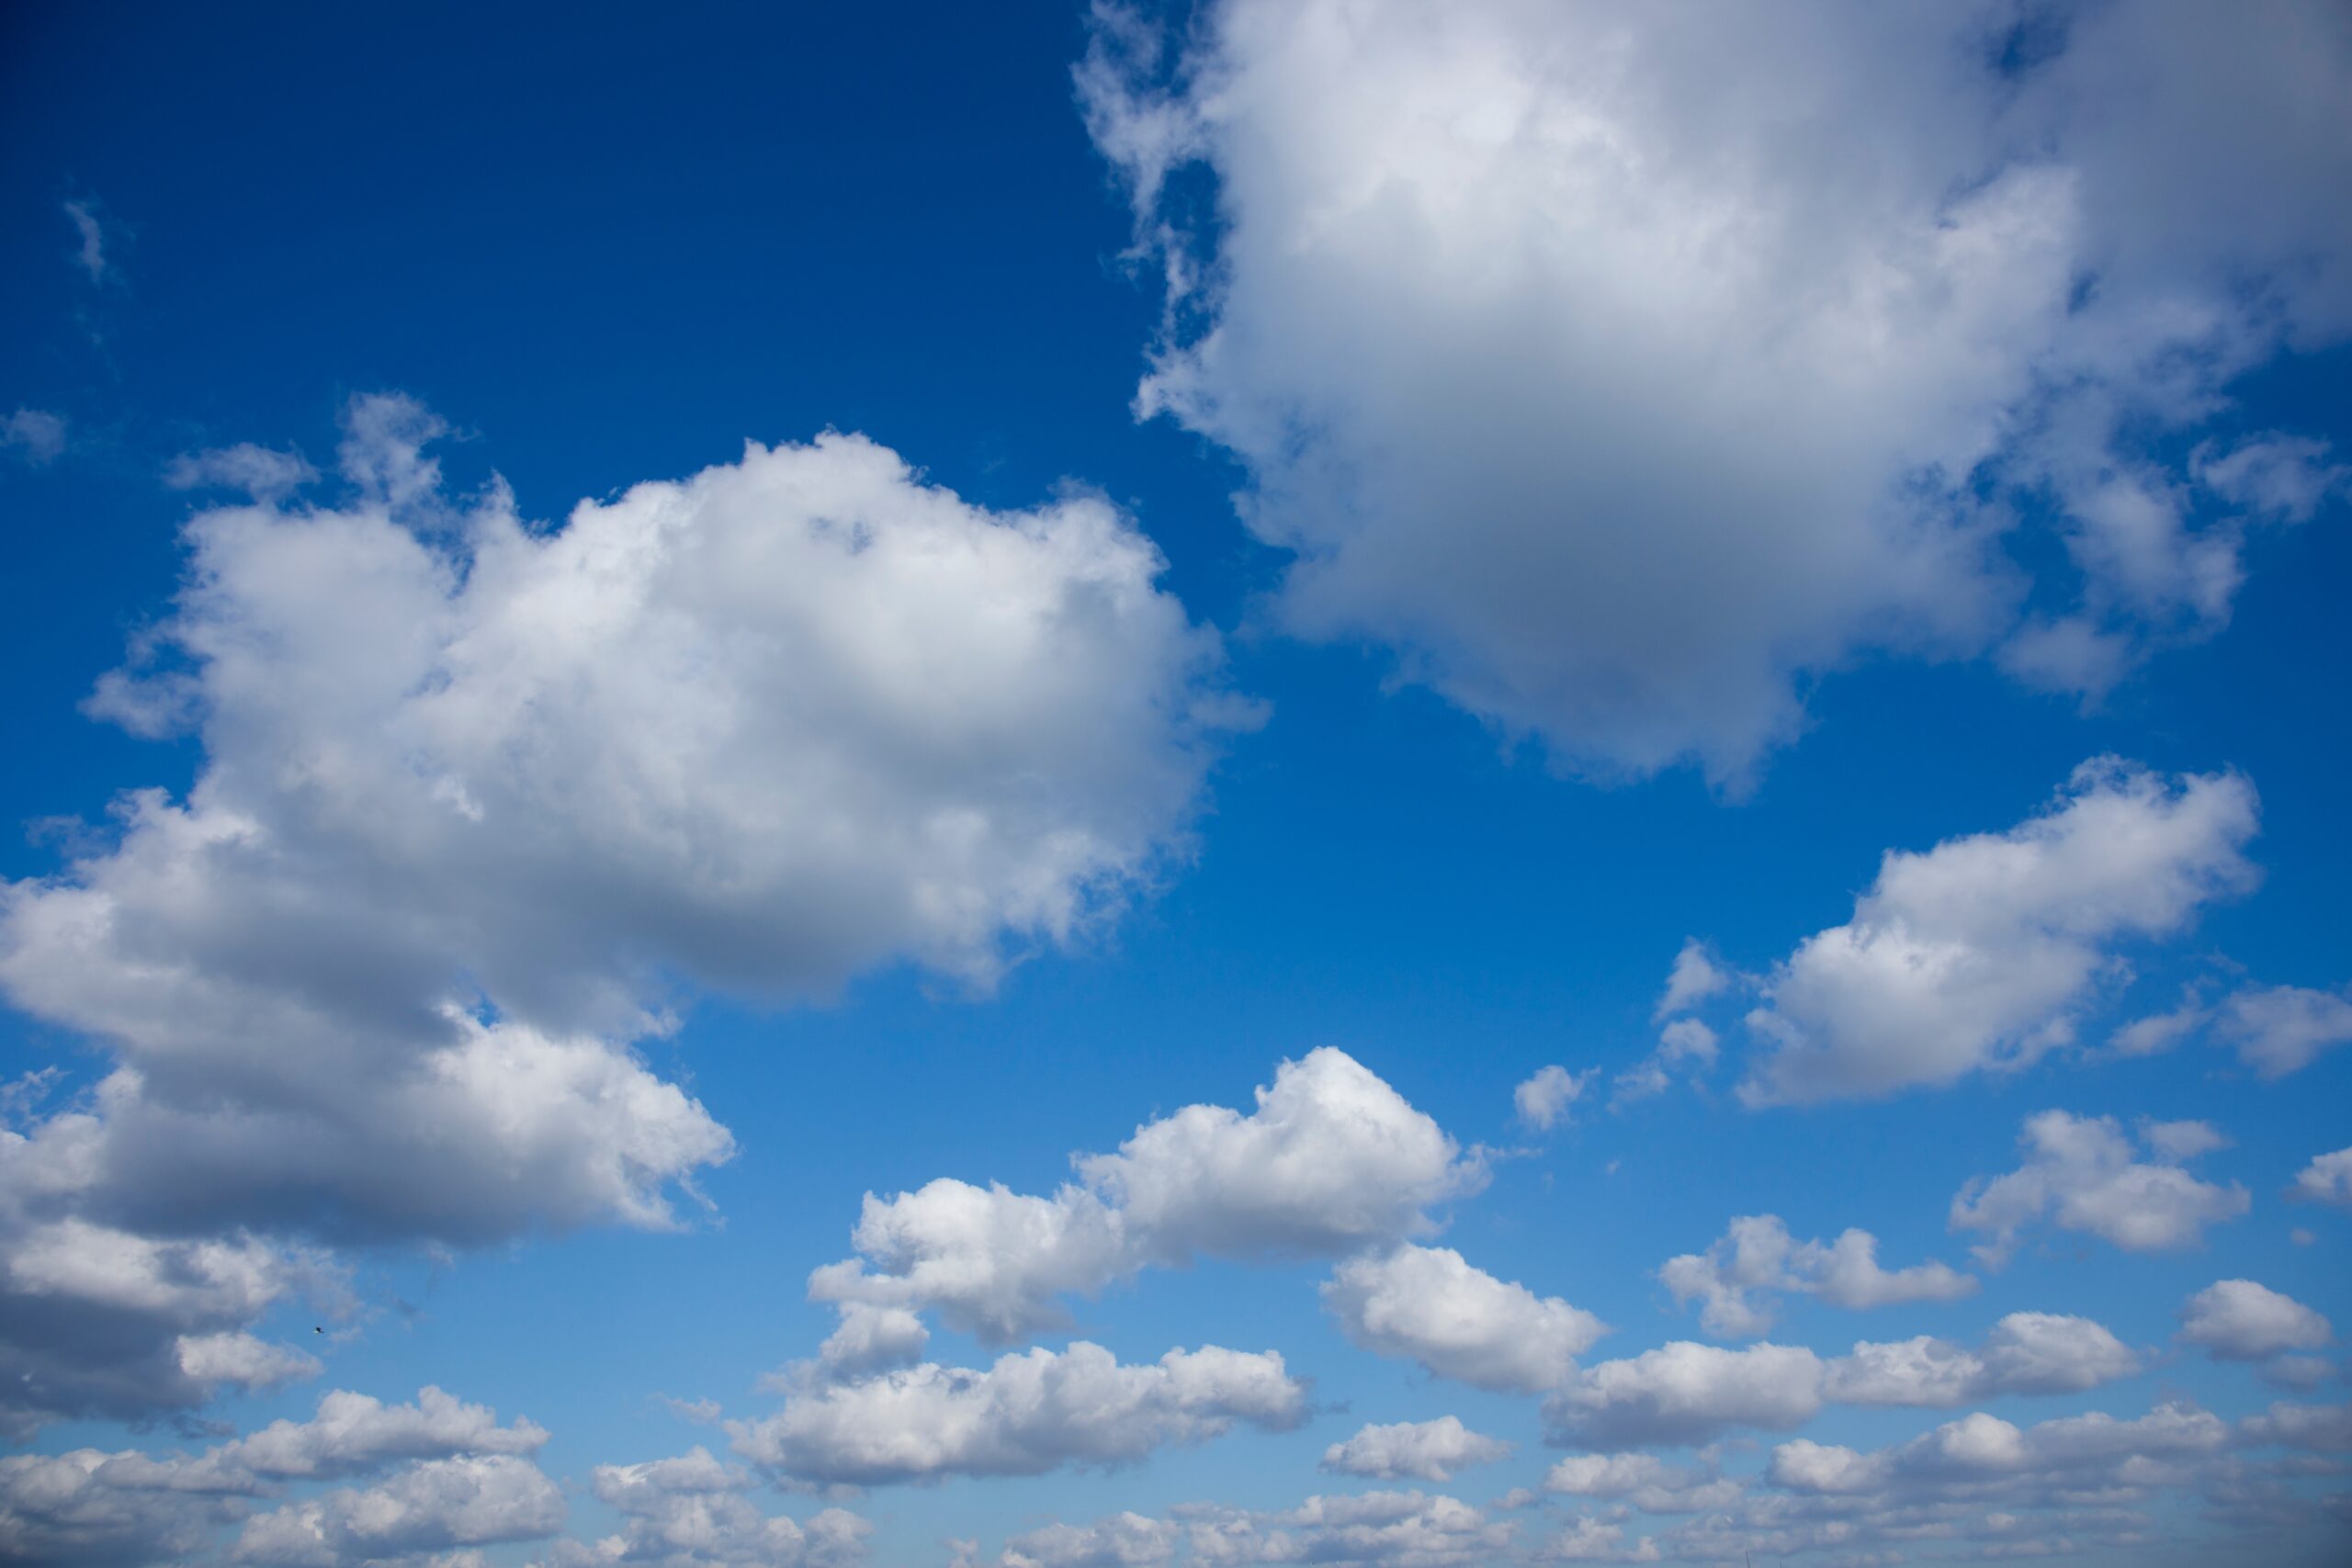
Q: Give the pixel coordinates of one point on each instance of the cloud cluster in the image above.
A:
(2238, 1320)
(2080, 1174)
(441, 1474)
(2025, 1352)
(478, 796)
(1972, 955)
(1418, 1451)
(1431, 1306)
(691, 1512)
(1618, 368)
(2326, 1180)
(1030, 1413)
(1333, 1162)
(1756, 1255)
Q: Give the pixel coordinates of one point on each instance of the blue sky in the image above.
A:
(1396, 707)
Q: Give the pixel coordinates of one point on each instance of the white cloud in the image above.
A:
(2278, 1030)
(1756, 1255)
(2026, 1352)
(427, 1507)
(1421, 1451)
(1550, 1094)
(2176, 1141)
(1644, 1481)
(1694, 977)
(1122, 1540)
(35, 435)
(2238, 1320)
(479, 799)
(1961, 1458)
(690, 1512)
(1619, 369)
(90, 229)
(261, 472)
(1409, 1530)
(1685, 1045)
(2078, 1171)
(1030, 1413)
(2326, 1180)
(1333, 1160)
(1684, 1393)
(238, 1359)
(1459, 1321)
(2322, 1428)
(85, 1507)
(354, 1433)
(1973, 955)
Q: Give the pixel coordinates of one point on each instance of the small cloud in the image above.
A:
(90, 224)
(34, 436)
(261, 472)
(1547, 1098)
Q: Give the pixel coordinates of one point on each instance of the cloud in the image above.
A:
(1756, 1254)
(2320, 1428)
(1549, 1095)
(1685, 1393)
(353, 1433)
(427, 1507)
(2026, 1352)
(1685, 1045)
(2326, 1180)
(2078, 1171)
(260, 472)
(1459, 1321)
(1972, 955)
(1422, 1451)
(481, 800)
(1960, 1459)
(91, 228)
(1332, 1161)
(34, 436)
(1621, 374)
(1644, 1481)
(240, 1361)
(1694, 977)
(2238, 1320)
(1122, 1540)
(1030, 1413)
(2177, 1140)
(2278, 1030)
(1409, 1530)
(690, 1512)
(86, 1507)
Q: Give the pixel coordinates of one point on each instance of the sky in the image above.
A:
(1275, 781)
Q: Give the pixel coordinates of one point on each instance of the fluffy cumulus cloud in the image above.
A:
(1684, 1393)
(1755, 1256)
(440, 1475)
(2326, 1180)
(2278, 1030)
(2080, 1173)
(1029, 1412)
(1420, 1451)
(1434, 1306)
(1974, 955)
(1642, 1481)
(692, 1512)
(1332, 1161)
(2238, 1320)
(1619, 366)
(2025, 1353)
(1965, 1457)
(1549, 1096)
(478, 796)
(432, 1506)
